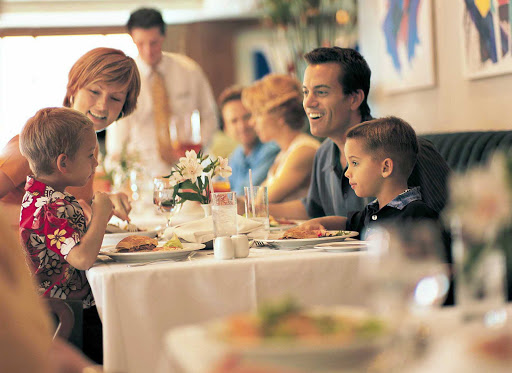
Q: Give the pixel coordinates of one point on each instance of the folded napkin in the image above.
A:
(201, 231)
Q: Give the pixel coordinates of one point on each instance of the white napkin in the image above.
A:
(201, 231)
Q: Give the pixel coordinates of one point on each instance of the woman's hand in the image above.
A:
(122, 205)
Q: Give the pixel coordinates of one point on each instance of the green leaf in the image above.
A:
(191, 196)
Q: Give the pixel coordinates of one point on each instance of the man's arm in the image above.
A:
(290, 210)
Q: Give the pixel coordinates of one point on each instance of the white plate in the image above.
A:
(151, 255)
(311, 357)
(113, 238)
(343, 246)
(300, 242)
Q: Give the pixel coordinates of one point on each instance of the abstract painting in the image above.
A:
(486, 30)
(406, 30)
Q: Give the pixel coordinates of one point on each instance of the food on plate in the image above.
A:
(301, 232)
(134, 243)
(498, 347)
(173, 244)
(287, 322)
(277, 222)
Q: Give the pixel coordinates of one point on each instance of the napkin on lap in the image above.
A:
(201, 231)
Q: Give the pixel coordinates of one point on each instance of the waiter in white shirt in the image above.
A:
(172, 86)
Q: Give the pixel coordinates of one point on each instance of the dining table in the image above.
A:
(138, 305)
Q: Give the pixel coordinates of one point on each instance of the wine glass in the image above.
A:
(185, 131)
(406, 276)
(163, 197)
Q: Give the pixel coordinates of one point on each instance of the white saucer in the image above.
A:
(343, 246)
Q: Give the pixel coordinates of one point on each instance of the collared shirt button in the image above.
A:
(345, 195)
(374, 217)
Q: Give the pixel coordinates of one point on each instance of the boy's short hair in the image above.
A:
(146, 18)
(389, 137)
(49, 133)
(108, 66)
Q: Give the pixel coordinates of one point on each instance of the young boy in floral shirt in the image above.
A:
(59, 144)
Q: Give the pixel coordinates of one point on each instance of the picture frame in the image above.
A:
(407, 45)
(487, 38)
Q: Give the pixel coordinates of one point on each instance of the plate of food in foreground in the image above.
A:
(343, 246)
(334, 338)
(141, 248)
(297, 237)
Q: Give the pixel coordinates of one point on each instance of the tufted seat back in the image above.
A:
(462, 150)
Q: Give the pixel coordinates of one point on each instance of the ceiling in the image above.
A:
(69, 13)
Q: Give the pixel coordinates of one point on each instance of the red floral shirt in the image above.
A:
(51, 225)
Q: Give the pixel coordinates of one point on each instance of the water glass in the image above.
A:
(224, 213)
(256, 208)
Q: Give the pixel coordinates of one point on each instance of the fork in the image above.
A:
(270, 245)
(131, 227)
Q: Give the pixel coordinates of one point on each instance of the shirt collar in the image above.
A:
(402, 200)
(146, 70)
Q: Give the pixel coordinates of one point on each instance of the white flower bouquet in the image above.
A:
(192, 175)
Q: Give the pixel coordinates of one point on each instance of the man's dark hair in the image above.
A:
(146, 18)
(355, 72)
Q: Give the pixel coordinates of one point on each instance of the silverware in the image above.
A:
(270, 245)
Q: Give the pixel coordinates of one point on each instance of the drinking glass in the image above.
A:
(224, 214)
(185, 131)
(405, 269)
(163, 197)
(256, 208)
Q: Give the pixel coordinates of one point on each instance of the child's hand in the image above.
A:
(102, 205)
(122, 206)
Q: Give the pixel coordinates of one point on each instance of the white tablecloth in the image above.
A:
(138, 305)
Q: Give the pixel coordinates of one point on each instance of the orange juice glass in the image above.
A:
(221, 186)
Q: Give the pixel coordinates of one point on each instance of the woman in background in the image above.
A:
(104, 85)
(275, 103)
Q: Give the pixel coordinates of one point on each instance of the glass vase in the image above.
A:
(480, 279)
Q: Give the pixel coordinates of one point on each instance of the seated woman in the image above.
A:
(275, 103)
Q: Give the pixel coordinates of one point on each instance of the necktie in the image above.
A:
(161, 116)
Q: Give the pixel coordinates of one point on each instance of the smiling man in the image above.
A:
(336, 87)
(173, 87)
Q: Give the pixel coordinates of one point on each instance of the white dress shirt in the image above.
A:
(188, 90)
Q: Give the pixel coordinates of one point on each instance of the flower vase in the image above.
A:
(189, 211)
(207, 209)
(480, 279)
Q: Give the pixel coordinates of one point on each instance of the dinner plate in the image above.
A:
(277, 243)
(354, 355)
(151, 255)
(343, 246)
(114, 238)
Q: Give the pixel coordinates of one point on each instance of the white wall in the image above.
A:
(455, 103)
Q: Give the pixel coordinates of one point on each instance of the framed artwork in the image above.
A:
(407, 45)
(486, 34)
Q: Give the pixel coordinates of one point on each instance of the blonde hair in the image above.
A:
(51, 132)
(105, 65)
(279, 94)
